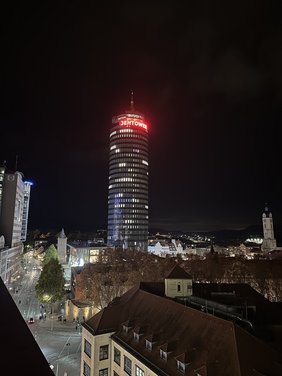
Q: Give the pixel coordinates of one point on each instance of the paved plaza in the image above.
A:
(59, 341)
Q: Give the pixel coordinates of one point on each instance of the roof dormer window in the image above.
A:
(163, 354)
(125, 328)
(181, 366)
(149, 345)
(183, 360)
(136, 337)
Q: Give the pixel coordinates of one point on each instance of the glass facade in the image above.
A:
(27, 186)
(2, 173)
(128, 182)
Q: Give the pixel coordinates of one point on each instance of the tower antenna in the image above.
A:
(131, 101)
(16, 162)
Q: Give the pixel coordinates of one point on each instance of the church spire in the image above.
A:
(62, 234)
(131, 101)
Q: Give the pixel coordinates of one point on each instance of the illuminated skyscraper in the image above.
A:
(2, 175)
(128, 181)
(27, 186)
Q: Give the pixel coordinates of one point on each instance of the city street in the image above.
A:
(59, 341)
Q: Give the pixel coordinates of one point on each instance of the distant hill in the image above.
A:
(228, 234)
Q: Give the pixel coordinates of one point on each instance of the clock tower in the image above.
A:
(269, 242)
(62, 246)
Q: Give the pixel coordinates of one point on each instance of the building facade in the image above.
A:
(12, 208)
(128, 181)
(14, 205)
(26, 198)
(148, 332)
(2, 174)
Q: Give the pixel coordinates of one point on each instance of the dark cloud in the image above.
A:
(234, 76)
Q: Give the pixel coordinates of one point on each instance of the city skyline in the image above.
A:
(211, 91)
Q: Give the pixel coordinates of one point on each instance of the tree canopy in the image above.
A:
(51, 253)
(116, 272)
(50, 285)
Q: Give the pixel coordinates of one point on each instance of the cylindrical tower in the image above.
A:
(128, 181)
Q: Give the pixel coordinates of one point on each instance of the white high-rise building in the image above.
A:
(2, 174)
(14, 205)
(27, 186)
(12, 208)
(269, 242)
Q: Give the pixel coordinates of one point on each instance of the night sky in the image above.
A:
(206, 74)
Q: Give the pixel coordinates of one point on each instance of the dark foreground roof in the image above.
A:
(217, 346)
(20, 353)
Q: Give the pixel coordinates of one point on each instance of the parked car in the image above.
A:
(31, 320)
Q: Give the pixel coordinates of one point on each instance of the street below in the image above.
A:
(58, 340)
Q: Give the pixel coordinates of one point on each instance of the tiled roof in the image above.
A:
(208, 341)
(178, 273)
(186, 357)
(201, 371)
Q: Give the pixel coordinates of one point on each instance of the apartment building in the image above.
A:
(146, 333)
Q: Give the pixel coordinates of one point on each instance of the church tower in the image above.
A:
(269, 242)
(62, 246)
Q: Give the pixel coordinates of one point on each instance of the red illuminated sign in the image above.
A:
(129, 121)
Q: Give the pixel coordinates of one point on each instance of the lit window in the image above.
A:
(113, 147)
(145, 162)
(139, 371)
(127, 365)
